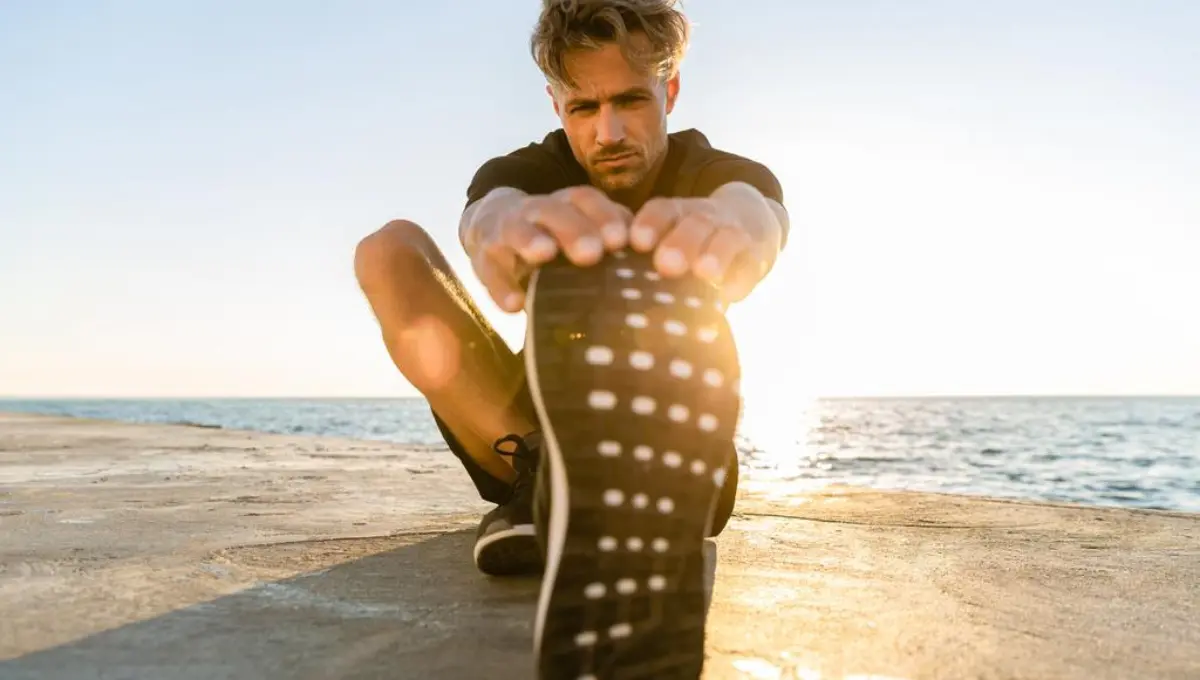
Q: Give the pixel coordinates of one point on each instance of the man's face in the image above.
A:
(615, 117)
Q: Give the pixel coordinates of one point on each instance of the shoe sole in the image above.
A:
(510, 552)
(634, 379)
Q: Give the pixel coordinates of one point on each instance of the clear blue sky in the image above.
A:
(987, 197)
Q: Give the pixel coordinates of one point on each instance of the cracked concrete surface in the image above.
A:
(148, 551)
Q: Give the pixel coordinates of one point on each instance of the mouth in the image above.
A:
(615, 160)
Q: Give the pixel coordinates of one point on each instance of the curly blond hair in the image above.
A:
(566, 25)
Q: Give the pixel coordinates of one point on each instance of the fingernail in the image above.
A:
(588, 248)
(709, 268)
(541, 247)
(614, 235)
(513, 302)
(671, 262)
(642, 238)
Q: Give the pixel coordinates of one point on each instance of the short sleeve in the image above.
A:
(530, 175)
(726, 170)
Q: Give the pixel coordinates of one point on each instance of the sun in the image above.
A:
(779, 395)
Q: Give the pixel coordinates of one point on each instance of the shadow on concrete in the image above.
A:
(416, 610)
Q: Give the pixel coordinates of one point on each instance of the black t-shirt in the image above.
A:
(693, 168)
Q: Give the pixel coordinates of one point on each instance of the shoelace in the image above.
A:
(525, 457)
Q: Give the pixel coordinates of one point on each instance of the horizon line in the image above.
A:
(831, 397)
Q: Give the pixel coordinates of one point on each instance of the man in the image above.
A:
(612, 182)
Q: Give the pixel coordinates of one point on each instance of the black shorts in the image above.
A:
(496, 491)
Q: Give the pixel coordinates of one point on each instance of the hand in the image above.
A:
(705, 237)
(516, 233)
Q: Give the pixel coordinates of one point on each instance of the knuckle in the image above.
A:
(612, 210)
(491, 248)
(578, 193)
(694, 226)
(577, 221)
(528, 208)
(532, 201)
(515, 224)
(660, 204)
(520, 231)
(684, 225)
(546, 212)
(488, 242)
(682, 237)
(656, 217)
(736, 236)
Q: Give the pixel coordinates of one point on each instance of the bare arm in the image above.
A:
(764, 218)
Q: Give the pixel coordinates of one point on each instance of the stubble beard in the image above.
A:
(621, 181)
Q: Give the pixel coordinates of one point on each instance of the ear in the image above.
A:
(553, 100)
(672, 91)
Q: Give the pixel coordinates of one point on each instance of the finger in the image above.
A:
(524, 237)
(744, 274)
(576, 234)
(725, 246)
(682, 246)
(612, 217)
(496, 267)
(655, 218)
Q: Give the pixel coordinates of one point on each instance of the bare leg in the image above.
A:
(440, 341)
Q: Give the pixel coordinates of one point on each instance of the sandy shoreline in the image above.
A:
(153, 551)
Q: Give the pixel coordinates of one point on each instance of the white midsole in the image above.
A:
(517, 530)
(556, 533)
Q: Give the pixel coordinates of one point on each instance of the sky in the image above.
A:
(986, 198)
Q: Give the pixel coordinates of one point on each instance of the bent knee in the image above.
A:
(398, 246)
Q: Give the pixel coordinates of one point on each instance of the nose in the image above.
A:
(610, 129)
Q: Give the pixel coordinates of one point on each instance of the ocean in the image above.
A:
(1131, 452)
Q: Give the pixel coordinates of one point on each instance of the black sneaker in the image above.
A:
(506, 544)
(634, 379)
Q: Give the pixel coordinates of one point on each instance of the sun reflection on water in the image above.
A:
(773, 442)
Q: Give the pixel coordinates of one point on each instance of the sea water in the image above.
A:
(1132, 452)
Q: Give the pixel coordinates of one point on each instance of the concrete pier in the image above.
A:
(153, 552)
